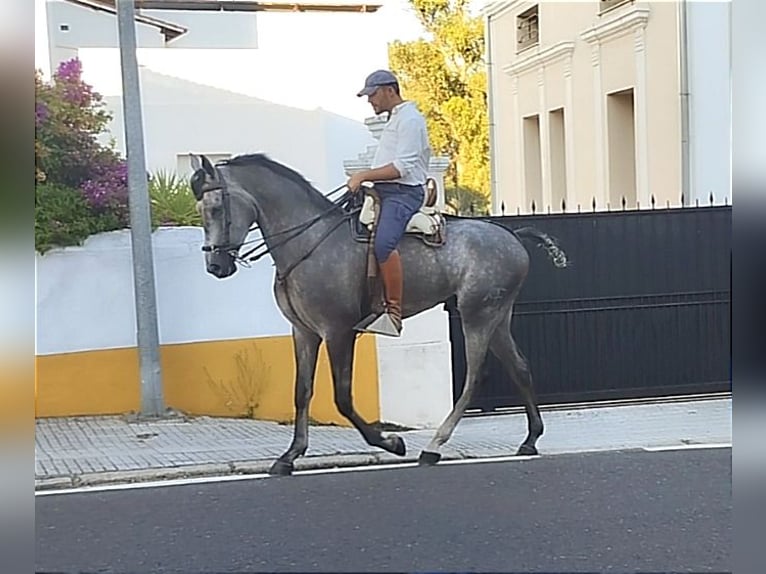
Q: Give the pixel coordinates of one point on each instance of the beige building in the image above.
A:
(607, 100)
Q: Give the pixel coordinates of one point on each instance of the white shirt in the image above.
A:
(404, 142)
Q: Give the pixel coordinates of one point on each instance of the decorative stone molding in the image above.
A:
(500, 7)
(618, 25)
(540, 59)
(364, 160)
(595, 54)
(639, 36)
(436, 167)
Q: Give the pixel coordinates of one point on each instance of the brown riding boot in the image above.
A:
(390, 322)
(391, 273)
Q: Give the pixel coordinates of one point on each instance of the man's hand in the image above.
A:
(355, 182)
(384, 173)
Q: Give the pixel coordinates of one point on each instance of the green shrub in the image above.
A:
(63, 217)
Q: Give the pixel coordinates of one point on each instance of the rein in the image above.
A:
(251, 256)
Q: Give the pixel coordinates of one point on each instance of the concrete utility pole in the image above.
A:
(152, 402)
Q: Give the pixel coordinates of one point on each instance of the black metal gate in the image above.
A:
(642, 311)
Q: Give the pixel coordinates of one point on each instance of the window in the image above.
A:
(557, 142)
(621, 134)
(609, 4)
(533, 170)
(527, 29)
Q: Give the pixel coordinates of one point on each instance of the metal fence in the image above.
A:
(642, 311)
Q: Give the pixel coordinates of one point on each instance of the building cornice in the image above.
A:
(635, 18)
(540, 59)
(500, 7)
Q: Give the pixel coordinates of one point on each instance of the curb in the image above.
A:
(260, 466)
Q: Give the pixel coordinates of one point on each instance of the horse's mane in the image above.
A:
(260, 159)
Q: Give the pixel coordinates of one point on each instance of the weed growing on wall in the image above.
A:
(242, 394)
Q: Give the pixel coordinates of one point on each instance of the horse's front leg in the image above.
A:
(306, 351)
(340, 349)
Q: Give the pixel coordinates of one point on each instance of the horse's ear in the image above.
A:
(208, 167)
(195, 163)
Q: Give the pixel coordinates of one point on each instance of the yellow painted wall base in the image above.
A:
(239, 378)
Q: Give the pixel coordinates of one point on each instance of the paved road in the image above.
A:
(618, 511)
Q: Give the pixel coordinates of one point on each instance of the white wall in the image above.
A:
(71, 27)
(415, 371)
(85, 295)
(219, 30)
(181, 116)
(305, 60)
(710, 100)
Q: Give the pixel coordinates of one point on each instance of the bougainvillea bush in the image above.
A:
(80, 183)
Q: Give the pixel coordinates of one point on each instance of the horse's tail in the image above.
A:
(543, 240)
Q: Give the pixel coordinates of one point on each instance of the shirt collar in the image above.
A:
(399, 107)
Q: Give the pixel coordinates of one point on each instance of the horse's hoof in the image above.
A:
(281, 468)
(396, 445)
(429, 458)
(526, 450)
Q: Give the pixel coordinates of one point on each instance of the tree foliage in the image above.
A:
(445, 75)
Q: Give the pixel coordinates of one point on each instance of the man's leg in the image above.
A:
(393, 284)
(397, 206)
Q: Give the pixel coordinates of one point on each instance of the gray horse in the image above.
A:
(321, 285)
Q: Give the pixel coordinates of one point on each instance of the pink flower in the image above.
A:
(41, 113)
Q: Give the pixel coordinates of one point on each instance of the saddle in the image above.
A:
(428, 223)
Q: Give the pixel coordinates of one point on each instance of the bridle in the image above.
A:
(290, 233)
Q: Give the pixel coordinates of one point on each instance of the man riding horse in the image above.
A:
(399, 172)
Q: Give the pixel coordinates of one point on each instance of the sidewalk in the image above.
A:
(97, 450)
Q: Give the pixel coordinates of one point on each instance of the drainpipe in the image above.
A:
(685, 118)
(490, 115)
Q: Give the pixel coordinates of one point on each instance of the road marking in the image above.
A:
(240, 477)
(686, 447)
(151, 484)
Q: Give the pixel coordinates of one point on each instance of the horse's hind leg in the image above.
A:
(306, 351)
(340, 349)
(477, 329)
(506, 350)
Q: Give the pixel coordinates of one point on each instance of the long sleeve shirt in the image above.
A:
(404, 142)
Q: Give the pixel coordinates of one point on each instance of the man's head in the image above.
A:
(382, 91)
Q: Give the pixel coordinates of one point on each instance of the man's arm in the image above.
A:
(382, 173)
(407, 153)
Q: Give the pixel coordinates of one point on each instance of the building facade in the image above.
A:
(607, 104)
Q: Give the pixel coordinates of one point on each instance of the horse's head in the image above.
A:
(226, 216)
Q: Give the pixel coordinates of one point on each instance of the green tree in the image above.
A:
(445, 75)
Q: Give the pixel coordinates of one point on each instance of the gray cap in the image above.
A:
(375, 80)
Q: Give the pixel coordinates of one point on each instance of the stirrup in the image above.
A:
(379, 324)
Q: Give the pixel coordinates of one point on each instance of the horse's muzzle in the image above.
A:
(222, 270)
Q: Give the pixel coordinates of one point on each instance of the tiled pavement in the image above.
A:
(87, 450)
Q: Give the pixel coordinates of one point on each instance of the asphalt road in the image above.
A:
(618, 511)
